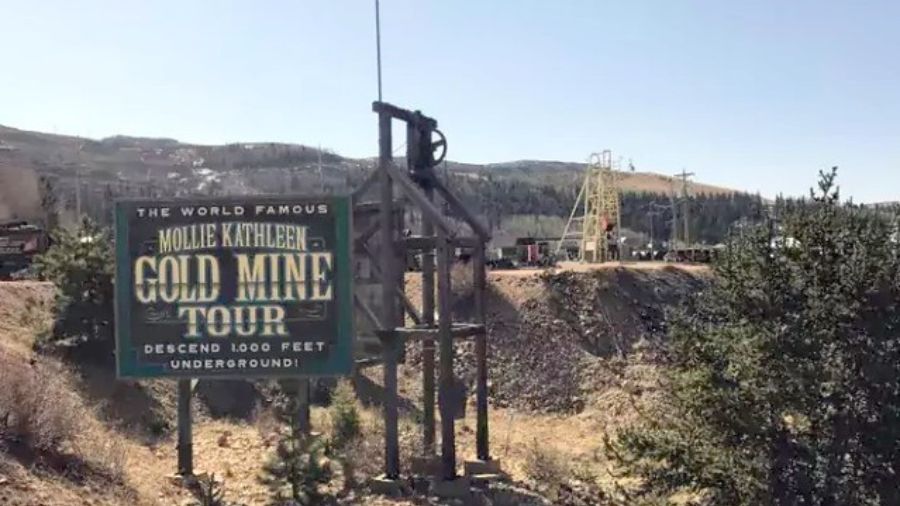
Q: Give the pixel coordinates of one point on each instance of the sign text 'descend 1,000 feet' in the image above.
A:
(233, 287)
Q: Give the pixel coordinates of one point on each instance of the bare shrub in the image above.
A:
(362, 457)
(366, 452)
(36, 317)
(103, 450)
(266, 423)
(40, 409)
(38, 404)
(547, 467)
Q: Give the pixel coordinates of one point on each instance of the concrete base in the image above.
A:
(188, 481)
(425, 466)
(473, 467)
(460, 488)
(382, 485)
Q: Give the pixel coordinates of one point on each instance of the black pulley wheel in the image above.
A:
(439, 146)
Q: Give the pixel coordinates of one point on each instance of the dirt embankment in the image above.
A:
(24, 312)
(554, 336)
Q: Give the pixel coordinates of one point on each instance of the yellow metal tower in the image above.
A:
(601, 219)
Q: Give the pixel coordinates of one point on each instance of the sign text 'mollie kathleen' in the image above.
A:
(233, 287)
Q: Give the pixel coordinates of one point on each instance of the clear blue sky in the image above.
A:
(756, 95)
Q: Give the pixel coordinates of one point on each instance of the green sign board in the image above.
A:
(238, 287)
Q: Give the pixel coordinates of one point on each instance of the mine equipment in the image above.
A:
(598, 203)
(532, 252)
(20, 243)
(385, 251)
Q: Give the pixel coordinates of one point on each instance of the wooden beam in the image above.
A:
(404, 300)
(445, 340)
(373, 207)
(388, 302)
(370, 315)
(416, 243)
(185, 447)
(482, 449)
(428, 383)
(420, 243)
(360, 242)
(367, 183)
(362, 363)
(393, 111)
(412, 190)
(457, 331)
(463, 211)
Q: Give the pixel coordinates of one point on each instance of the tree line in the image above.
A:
(496, 200)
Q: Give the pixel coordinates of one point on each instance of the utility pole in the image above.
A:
(684, 175)
(78, 185)
(653, 210)
(78, 193)
(673, 242)
(321, 180)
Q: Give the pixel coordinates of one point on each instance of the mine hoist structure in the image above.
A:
(601, 218)
(386, 244)
(600, 236)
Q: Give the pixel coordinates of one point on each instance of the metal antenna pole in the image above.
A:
(378, 44)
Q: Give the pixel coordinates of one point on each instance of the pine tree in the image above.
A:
(298, 468)
(345, 422)
(782, 376)
(49, 203)
(80, 264)
(209, 492)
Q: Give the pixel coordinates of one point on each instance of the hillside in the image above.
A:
(145, 166)
(569, 173)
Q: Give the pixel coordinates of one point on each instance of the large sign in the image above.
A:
(234, 287)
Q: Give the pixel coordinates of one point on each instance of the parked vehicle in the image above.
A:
(20, 242)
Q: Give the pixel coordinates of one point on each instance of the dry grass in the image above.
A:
(25, 312)
(41, 411)
(547, 468)
(38, 406)
(524, 442)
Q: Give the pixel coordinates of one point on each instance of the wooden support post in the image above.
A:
(371, 179)
(428, 344)
(185, 439)
(400, 281)
(389, 341)
(481, 428)
(388, 302)
(445, 320)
